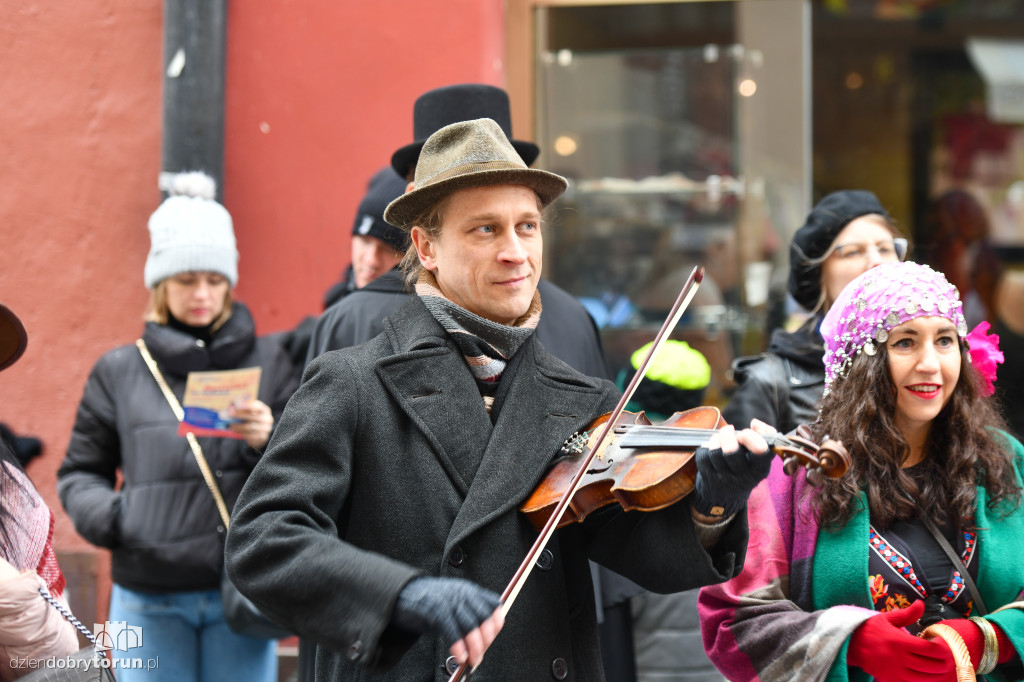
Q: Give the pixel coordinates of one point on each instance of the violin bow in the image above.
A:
(508, 597)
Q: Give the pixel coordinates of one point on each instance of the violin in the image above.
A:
(646, 467)
(595, 446)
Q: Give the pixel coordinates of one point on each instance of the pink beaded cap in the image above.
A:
(878, 300)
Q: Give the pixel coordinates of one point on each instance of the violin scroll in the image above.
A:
(830, 459)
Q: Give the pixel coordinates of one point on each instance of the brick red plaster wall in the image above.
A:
(80, 136)
(319, 93)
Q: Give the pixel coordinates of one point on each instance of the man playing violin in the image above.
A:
(383, 520)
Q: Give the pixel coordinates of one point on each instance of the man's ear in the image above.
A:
(425, 248)
(410, 186)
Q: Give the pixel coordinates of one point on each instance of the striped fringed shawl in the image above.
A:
(776, 620)
(761, 624)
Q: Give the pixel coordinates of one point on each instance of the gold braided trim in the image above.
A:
(961, 656)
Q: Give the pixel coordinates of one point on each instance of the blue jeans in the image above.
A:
(184, 639)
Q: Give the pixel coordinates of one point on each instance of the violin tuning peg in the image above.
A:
(790, 465)
(815, 477)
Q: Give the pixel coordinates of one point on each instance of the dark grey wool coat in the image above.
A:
(386, 466)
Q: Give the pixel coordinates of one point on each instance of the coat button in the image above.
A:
(220, 528)
(559, 668)
(355, 651)
(451, 665)
(200, 343)
(457, 557)
(545, 560)
(218, 473)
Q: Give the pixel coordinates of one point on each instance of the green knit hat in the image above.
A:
(676, 364)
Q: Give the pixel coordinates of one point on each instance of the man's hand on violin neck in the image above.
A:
(466, 616)
(729, 465)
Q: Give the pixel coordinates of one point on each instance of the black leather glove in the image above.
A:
(450, 608)
(725, 479)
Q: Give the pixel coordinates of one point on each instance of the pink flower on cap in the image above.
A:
(879, 300)
(985, 354)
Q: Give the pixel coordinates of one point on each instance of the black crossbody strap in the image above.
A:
(979, 603)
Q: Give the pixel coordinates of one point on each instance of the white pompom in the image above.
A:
(190, 184)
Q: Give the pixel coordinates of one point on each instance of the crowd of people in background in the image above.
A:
(374, 482)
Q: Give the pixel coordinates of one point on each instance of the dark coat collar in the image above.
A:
(545, 403)
(392, 282)
(179, 353)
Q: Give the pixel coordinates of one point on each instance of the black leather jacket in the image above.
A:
(783, 385)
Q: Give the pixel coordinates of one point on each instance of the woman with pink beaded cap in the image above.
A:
(842, 577)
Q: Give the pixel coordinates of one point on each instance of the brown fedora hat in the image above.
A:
(463, 155)
(13, 338)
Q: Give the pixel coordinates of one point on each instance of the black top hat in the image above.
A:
(13, 338)
(438, 108)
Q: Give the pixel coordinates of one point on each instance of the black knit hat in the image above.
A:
(385, 187)
(440, 107)
(826, 220)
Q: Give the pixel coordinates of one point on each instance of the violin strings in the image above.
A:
(653, 436)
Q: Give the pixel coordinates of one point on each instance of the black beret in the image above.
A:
(826, 220)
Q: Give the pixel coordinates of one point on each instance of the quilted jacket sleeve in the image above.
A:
(87, 476)
(30, 628)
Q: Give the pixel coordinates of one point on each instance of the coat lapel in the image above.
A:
(544, 405)
(431, 383)
(1000, 577)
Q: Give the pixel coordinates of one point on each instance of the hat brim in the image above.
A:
(404, 160)
(13, 338)
(404, 210)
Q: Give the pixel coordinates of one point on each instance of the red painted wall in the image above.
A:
(80, 140)
(319, 93)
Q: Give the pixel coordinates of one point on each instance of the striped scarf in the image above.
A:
(29, 529)
(487, 346)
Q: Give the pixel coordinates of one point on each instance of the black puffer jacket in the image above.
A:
(783, 385)
(162, 524)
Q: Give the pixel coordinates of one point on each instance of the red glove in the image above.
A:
(975, 640)
(883, 649)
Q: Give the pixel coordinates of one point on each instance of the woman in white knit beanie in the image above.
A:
(161, 522)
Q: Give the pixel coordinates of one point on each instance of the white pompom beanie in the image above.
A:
(190, 231)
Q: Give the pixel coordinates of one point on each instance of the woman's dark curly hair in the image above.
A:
(963, 450)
